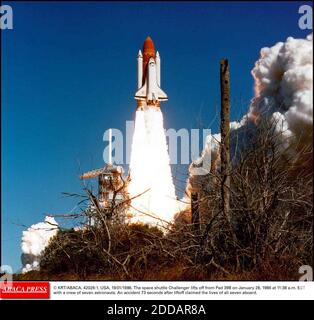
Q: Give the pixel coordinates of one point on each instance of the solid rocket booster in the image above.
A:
(148, 77)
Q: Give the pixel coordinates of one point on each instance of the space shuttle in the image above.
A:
(148, 91)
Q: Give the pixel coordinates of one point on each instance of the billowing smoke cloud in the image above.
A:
(151, 185)
(284, 88)
(34, 240)
(283, 95)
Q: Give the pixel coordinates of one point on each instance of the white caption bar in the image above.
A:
(162, 290)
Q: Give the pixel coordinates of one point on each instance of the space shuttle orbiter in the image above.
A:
(148, 77)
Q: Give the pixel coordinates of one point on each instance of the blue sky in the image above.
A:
(69, 73)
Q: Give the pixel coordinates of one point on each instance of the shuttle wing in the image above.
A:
(161, 94)
(141, 93)
(156, 94)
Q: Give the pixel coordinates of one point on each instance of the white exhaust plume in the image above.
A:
(34, 240)
(284, 88)
(283, 95)
(151, 186)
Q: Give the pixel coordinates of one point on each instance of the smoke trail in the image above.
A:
(139, 165)
(283, 95)
(34, 240)
(150, 171)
